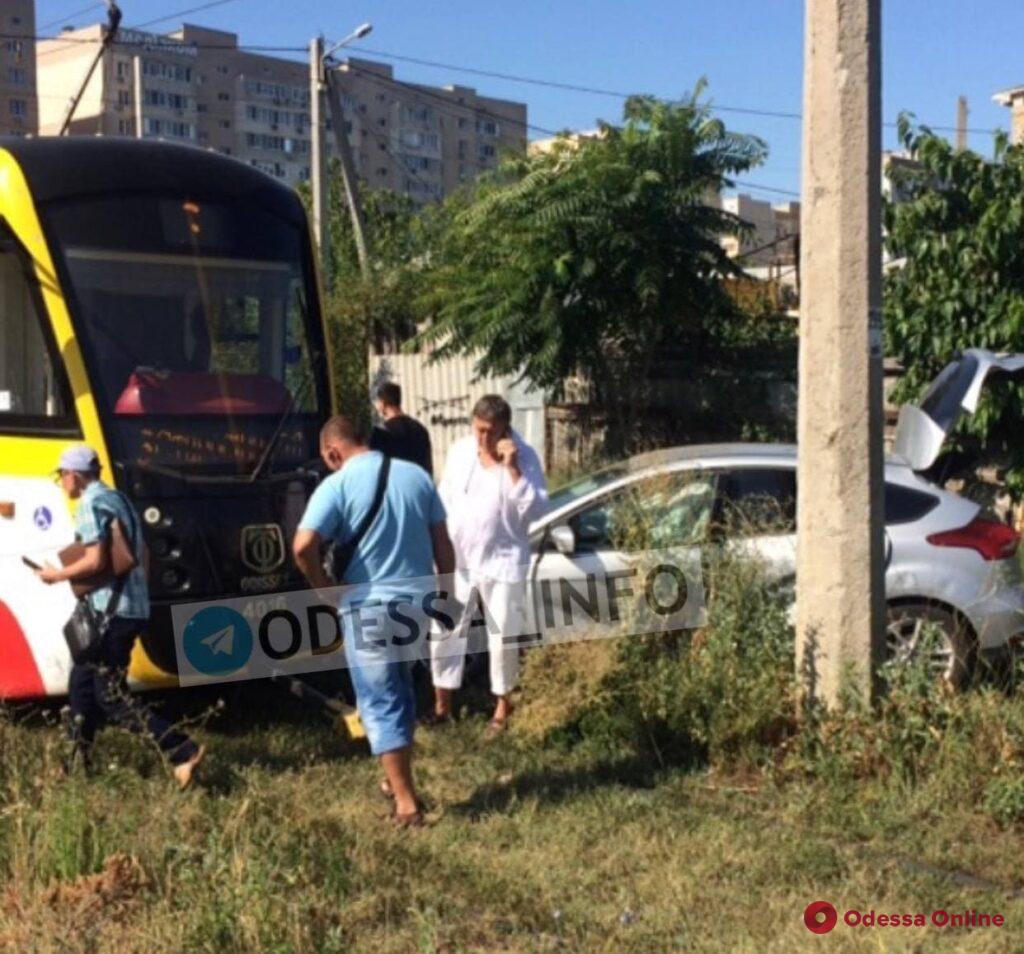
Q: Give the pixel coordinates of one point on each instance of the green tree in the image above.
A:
(597, 258)
(959, 237)
(376, 308)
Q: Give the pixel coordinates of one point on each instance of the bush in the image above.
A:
(724, 694)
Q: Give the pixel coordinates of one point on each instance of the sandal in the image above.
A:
(495, 728)
(408, 820)
(434, 719)
(413, 819)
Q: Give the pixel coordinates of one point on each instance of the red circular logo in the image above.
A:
(820, 917)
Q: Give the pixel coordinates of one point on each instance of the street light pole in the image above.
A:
(324, 81)
(317, 164)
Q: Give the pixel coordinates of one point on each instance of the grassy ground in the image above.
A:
(531, 847)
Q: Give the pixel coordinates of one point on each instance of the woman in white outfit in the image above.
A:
(493, 488)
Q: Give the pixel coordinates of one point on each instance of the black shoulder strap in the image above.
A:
(378, 500)
(343, 552)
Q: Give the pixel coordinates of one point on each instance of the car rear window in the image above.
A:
(905, 505)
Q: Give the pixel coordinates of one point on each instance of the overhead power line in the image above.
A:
(436, 64)
(597, 91)
(69, 16)
(182, 13)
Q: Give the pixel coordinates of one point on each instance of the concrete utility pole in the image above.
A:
(137, 97)
(348, 169)
(961, 123)
(109, 35)
(840, 574)
(317, 159)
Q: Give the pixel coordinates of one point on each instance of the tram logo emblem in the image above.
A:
(262, 547)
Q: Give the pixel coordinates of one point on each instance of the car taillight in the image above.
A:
(993, 540)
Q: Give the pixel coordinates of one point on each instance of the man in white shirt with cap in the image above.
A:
(493, 488)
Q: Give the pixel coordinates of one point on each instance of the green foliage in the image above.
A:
(377, 307)
(962, 283)
(725, 694)
(1004, 800)
(598, 257)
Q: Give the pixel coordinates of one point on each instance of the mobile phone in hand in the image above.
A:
(31, 564)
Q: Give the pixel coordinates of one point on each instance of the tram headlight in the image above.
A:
(152, 515)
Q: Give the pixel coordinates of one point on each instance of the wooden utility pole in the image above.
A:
(840, 576)
(317, 159)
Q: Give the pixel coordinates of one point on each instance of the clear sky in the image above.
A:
(749, 50)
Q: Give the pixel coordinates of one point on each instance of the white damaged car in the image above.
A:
(950, 567)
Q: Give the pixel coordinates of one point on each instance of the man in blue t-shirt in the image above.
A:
(405, 541)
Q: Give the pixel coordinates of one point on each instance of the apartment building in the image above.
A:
(197, 86)
(1013, 99)
(18, 116)
(772, 223)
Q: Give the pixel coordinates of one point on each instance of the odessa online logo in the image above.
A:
(217, 641)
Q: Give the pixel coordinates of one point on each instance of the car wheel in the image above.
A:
(949, 654)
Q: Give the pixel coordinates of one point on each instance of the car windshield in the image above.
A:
(196, 321)
(582, 486)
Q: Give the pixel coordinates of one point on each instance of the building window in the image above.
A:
(121, 68)
(225, 124)
(125, 127)
(16, 76)
(486, 151)
(124, 97)
(224, 97)
(17, 47)
(18, 108)
(170, 71)
(487, 126)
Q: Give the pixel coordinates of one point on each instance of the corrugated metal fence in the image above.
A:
(441, 395)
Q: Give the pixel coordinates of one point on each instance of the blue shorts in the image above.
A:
(386, 699)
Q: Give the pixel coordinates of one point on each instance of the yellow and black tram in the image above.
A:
(160, 303)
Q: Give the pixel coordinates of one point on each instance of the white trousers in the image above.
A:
(505, 603)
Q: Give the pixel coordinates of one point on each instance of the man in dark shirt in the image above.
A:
(407, 438)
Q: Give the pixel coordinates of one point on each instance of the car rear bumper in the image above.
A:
(998, 619)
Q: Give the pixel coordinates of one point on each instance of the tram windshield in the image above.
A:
(199, 323)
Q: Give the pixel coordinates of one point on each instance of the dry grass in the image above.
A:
(530, 848)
